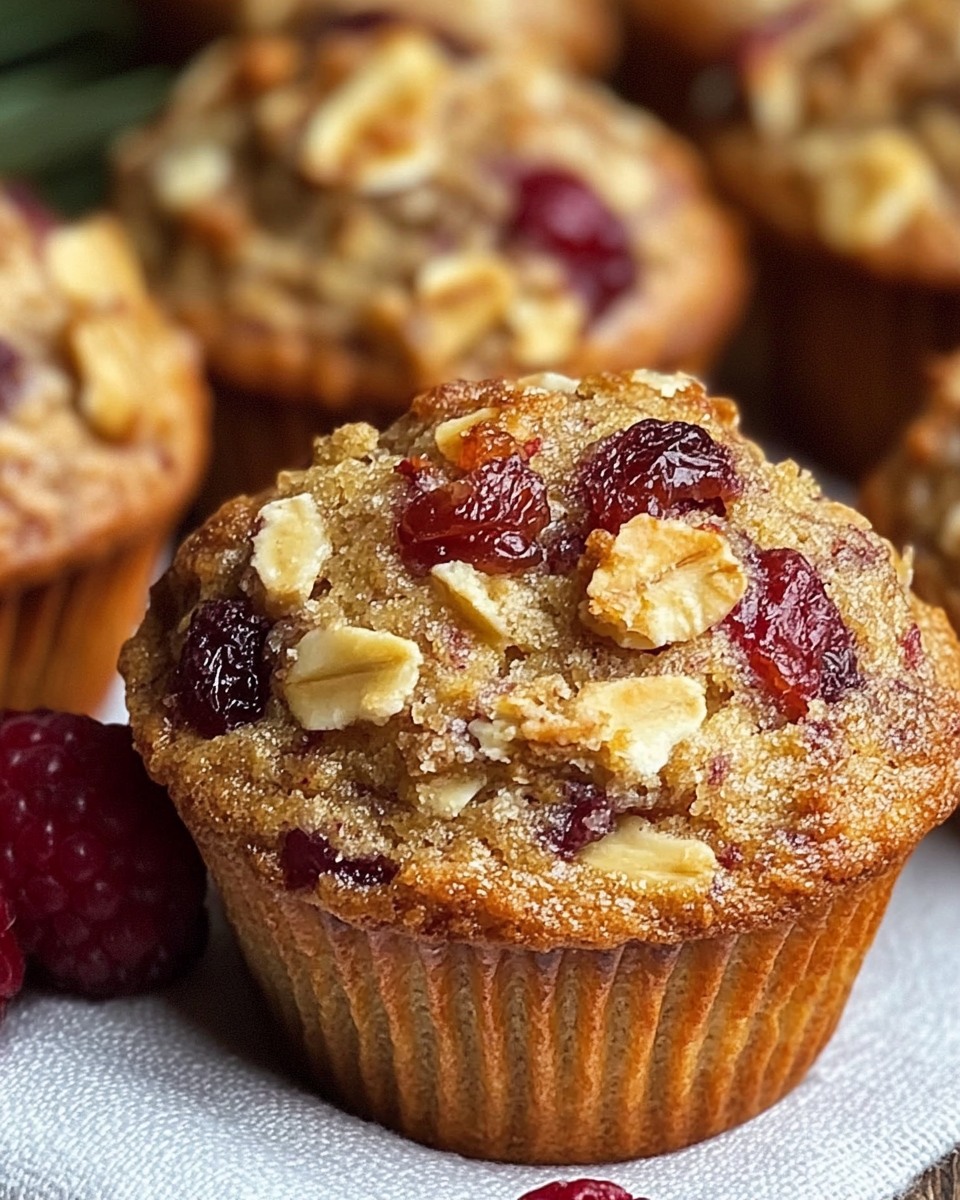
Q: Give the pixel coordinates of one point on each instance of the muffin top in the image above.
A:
(580, 33)
(102, 404)
(914, 496)
(549, 663)
(351, 218)
(855, 137)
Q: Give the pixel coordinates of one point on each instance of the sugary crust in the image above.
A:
(913, 498)
(788, 812)
(854, 142)
(103, 409)
(331, 293)
(580, 33)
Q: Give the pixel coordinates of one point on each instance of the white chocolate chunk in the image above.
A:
(467, 590)
(448, 798)
(290, 550)
(187, 176)
(646, 856)
(345, 675)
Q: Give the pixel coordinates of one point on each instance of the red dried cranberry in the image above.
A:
(41, 219)
(558, 214)
(912, 645)
(661, 468)
(580, 1189)
(304, 857)
(490, 518)
(586, 816)
(11, 375)
(793, 635)
(221, 680)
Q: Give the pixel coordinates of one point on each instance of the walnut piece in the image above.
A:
(344, 675)
(648, 857)
(459, 299)
(290, 550)
(659, 582)
(93, 263)
(188, 176)
(110, 351)
(449, 434)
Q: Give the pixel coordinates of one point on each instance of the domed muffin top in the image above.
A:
(552, 663)
(353, 217)
(102, 404)
(855, 140)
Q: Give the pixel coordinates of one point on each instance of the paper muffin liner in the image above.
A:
(849, 353)
(59, 640)
(571, 1056)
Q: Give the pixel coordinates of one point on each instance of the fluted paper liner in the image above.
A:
(59, 640)
(571, 1056)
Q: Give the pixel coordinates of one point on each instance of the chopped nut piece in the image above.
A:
(646, 856)
(668, 386)
(460, 298)
(348, 674)
(289, 550)
(93, 263)
(463, 586)
(186, 176)
(545, 329)
(448, 798)
(495, 738)
(449, 434)
(376, 132)
(110, 353)
(549, 381)
(659, 582)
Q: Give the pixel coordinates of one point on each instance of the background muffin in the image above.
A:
(561, 747)
(852, 164)
(580, 33)
(102, 436)
(345, 221)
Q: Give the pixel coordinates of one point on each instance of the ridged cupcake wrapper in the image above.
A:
(59, 640)
(850, 353)
(572, 1056)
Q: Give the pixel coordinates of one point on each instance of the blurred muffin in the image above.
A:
(103, 432)
(852, 160)
(346, 221)
(561, 747)
(913, 497)
(581, 34)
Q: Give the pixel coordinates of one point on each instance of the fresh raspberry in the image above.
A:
(105, 883)
(11, 958)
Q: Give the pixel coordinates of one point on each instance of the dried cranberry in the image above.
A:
(490, 518)
(586, 816)
(558, 214)
(221, 680)
(580, 1189)
(41, 219)
(793, 635)
(11, 375)
(661, 468)
(912, 645)
(304, 857)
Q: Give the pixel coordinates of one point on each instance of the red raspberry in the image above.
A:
(11, 958)
(106, 885)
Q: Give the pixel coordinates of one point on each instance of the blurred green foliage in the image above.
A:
(73, 73)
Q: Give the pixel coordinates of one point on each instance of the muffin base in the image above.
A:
(59, 640)
(572, 1056)
(850, 353)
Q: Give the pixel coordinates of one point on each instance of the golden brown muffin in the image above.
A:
(103, 433)
(335, 256)
(913, 497)
(560, 747)
(852, 165)
(581, 34)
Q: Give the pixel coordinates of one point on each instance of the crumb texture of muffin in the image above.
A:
(553, 703)
(348, 219)
(855, 139)
(102, 439)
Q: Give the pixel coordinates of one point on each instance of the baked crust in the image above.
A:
(854, 137)
(103, 417)
(319, 267)
(770, 817)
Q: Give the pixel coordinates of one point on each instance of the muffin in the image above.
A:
(913, 497)
(103, 433)
(335, 257)
(851, 163)
(561, 758)
(581, 34)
